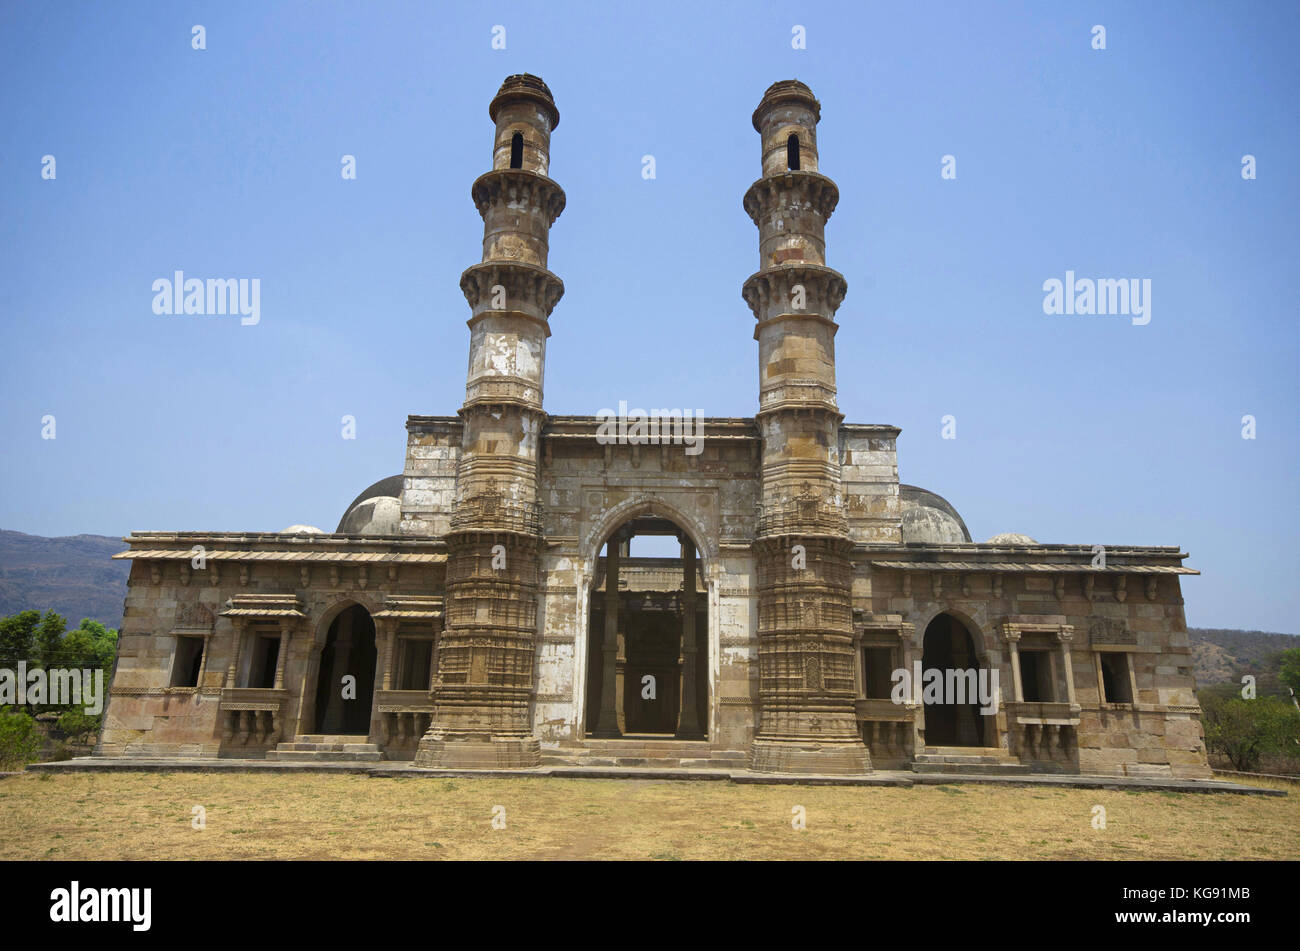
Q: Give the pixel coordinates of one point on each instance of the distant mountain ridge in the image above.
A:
(1225, 655)
(75, 575)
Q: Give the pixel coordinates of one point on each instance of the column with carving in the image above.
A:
(807, 692)
(485, 674)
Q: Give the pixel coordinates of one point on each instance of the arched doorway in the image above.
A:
(949, 648)
(349, 651)
(647, 644)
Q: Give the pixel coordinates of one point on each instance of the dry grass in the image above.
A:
(278, 816)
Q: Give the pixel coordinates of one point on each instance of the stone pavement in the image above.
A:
(878, 778)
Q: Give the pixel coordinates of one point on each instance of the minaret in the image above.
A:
(805, 611)
(485, 655)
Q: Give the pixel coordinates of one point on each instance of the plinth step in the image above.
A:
(642, 752)
(973, 769)
(324, 756)
(339, 738)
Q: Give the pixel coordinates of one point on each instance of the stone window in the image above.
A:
(517, 150)
(187, 661)
(1036, 676)
(879, 666)
(792, 152)
(1115, 683)
(266, 652)
(414, 659)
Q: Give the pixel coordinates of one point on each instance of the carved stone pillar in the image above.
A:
(1012, 636)
(1065, 635)
(386, 633)
(859, 668)
(235, 651)
(285, 632)
(610, 694)
(688, 721)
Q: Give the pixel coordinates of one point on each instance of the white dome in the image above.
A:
(929, 519)
(1011, 538)
(302, 530)
(377, 515)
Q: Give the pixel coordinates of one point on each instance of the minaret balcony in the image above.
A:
(800, 289)
(792, 190)
(511, 286)
(521, 190)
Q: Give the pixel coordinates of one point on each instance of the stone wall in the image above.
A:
(167, 599)
(1138, 615)
(869, 476)
(587, 490)
(429, 476)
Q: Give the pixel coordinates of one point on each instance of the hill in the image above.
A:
(75, 575)
(1223, 655)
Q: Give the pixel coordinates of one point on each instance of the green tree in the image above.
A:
(90, 644)
(1247, 730)
(20, 743)
(78, 726)
(18, 637)
(49, 635)
(1290, 673)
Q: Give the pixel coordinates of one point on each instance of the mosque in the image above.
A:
(485, 608)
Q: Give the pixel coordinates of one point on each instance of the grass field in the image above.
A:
(278, 816)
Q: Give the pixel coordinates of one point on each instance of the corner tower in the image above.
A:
(485, 655)
(805, 613)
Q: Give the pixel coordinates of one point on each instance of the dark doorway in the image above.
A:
(948, 646)
(792, 152)
(648, 665)
(349, 651)
(517, 150)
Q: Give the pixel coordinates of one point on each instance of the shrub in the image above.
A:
(20, 743)
(59, 752)
(1247, 730)
(79, 727)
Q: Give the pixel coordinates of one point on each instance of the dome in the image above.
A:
(1011, 538)
(301, 530)
(376, 511)
(929, 519)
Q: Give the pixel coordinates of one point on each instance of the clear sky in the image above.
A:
(225, 162)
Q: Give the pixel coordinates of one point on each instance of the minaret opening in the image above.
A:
(517, 150)
(792, 152)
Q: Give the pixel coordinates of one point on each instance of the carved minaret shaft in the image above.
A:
(805, 614)
(485, 656)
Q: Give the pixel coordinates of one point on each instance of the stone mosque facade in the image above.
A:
(483, 609)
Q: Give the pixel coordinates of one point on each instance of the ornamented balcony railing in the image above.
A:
(493, 511)
(803, 514)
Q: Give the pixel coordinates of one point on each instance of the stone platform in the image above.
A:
(906, 779)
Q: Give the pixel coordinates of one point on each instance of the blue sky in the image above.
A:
(225, 162)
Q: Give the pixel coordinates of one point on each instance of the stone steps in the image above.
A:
(687, 754)
(972, 769)
(339, 738)
(968, 760)
(323, 756)
(325, 748)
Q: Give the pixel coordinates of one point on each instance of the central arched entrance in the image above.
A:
(647, 656)
(949, 647)
(349, 651)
